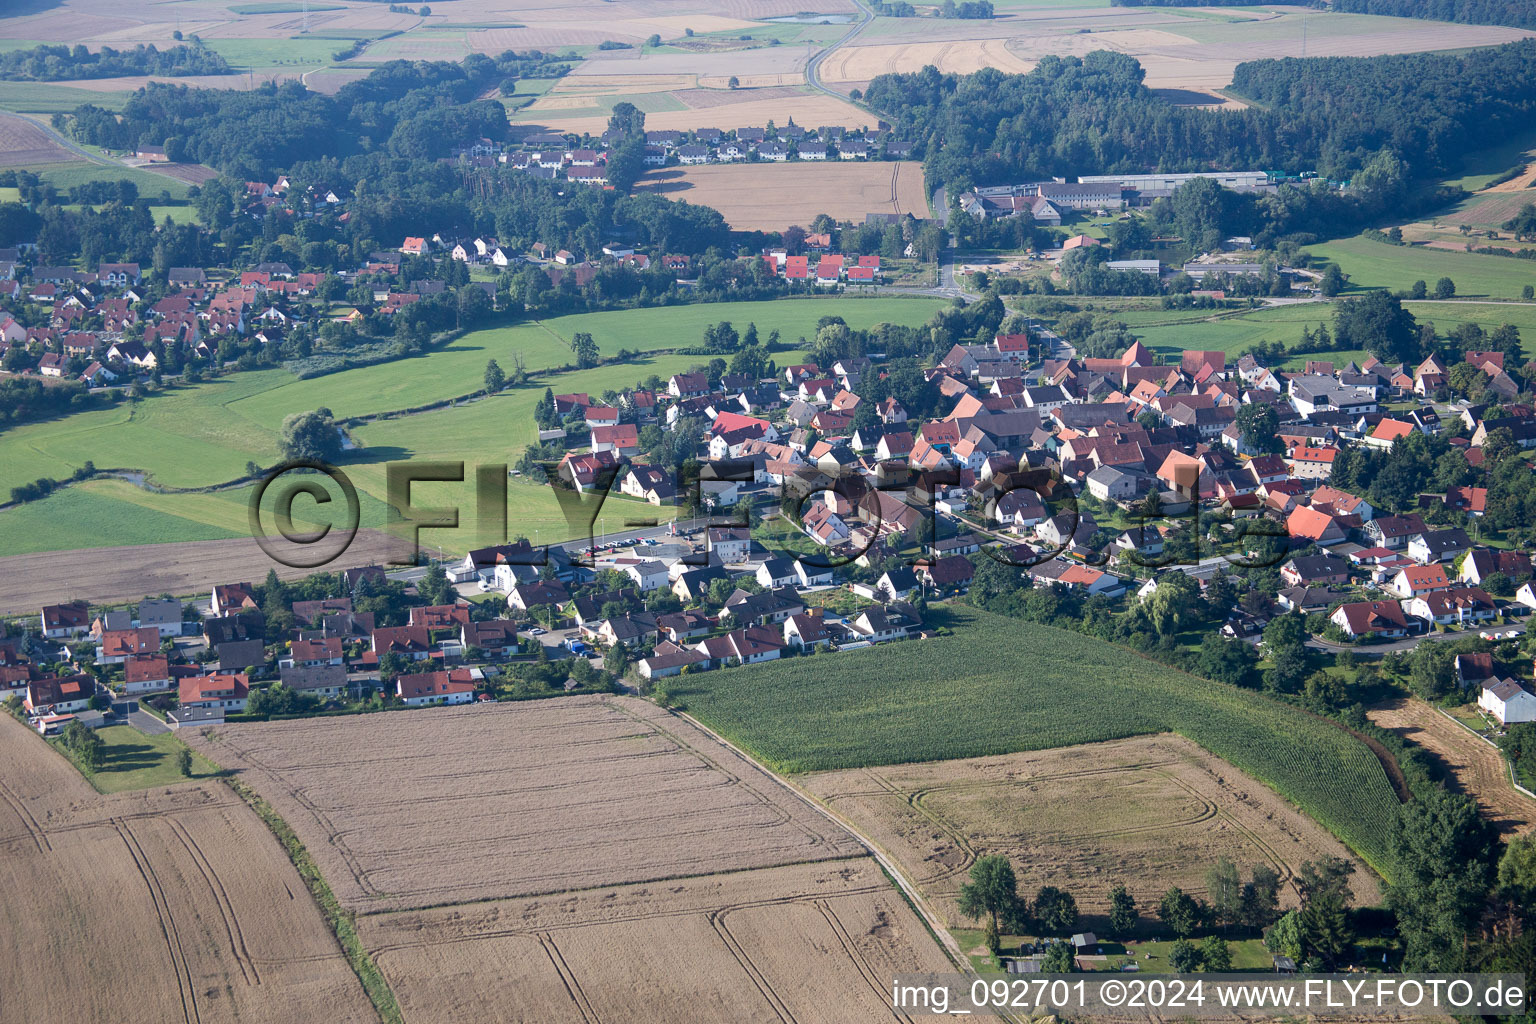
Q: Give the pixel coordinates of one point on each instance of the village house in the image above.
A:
(1361, 619)
(1509, 702)
(228, 691)
(455, 686)
(59, 695)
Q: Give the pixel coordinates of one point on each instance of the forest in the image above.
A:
(404, 109)
(56, 63)
(1517, 13)
(1095, 115)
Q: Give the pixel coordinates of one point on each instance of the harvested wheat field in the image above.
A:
(181, 903)
(128, 573)
(1150, 812)
(24, 144)
(807, 942)
(450, 805)
(1479, 769)
(770, 197)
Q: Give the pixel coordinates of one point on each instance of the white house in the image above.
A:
(422, 688)
(813, 575)
(1509, 702)
(732, 544)
(648, 575)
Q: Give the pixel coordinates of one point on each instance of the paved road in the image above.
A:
(814, 65)
(70, 145)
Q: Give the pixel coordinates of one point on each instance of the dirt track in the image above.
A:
(1478, 768)
(116, 575)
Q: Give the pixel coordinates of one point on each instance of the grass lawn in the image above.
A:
(1381, 265)
(1003, 685)
(136, 761)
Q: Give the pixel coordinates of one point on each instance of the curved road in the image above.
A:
(814, 65)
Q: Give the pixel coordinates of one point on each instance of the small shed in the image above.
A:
(1085, 944)
(1285, 965)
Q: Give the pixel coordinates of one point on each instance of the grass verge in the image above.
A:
(342, 922)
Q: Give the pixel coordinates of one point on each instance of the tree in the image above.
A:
(1332, 282)
(1445, 288)
(311, 435)
(1215, 954)
(1224, 886)
(654, 41)
(585, 350)
(733, 82)
(495, 377)
(1055, 909)
(1517, 871)
(1441, 849)
(184, 762)
(1378, 323)
(1184, 957)
(1261, 898)
(1179, 912)
(1260, 425)
(992, 891)
(1122, 912)
(627, 119)
(1325, 929)
(1059, 959)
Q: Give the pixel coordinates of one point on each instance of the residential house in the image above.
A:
(1361, 619)
(1419, 580)
(60, 695)
(61, 621)
(1509, 702)
(147, 673)
(419, 689)
(226, 690)
(1461, 605)
(1438, 545)
(325, 682)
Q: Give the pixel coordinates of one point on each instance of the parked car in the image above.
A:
(537, 631)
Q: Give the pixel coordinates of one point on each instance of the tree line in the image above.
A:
(53, 63)
(1518, 13)
(1094, 114)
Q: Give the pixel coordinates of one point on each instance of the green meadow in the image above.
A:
(200, 435)
(1372, 264)
(48, 98)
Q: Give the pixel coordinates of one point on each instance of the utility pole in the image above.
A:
(306, 18)
(1303, 31)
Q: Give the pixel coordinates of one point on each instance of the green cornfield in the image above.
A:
(1000, 685)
